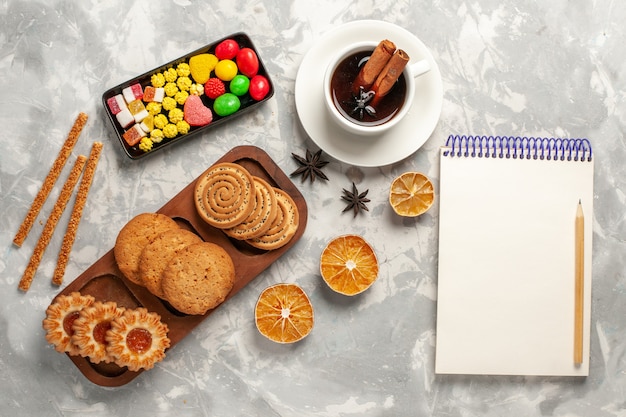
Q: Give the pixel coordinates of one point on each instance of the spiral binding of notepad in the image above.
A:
(518, 147)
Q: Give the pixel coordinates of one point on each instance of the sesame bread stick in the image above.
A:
(51, 223)
(50, 179)
(77, 211)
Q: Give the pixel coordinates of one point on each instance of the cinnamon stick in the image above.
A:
(372, 68)
(389, 75)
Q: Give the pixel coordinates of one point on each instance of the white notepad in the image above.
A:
(506, 280)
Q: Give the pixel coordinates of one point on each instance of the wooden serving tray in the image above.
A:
(104, 281)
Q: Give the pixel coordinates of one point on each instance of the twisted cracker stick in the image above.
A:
(77, 212)
(51, 178)
(51, 223)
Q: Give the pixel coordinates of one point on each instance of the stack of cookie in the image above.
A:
(246, 207)
(173, 263)
(77, 324)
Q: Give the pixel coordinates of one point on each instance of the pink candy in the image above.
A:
(133, 92)
(116, 103)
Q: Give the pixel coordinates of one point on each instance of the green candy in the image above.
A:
(226, 104)
(239, 85)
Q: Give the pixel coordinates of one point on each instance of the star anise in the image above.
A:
(356, 201)
(311, 167)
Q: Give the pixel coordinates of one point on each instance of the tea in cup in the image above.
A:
(369, 87)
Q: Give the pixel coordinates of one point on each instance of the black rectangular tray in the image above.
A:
(247, 103)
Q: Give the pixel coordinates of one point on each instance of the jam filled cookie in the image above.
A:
(60, 318)
(90, 330)
(137, 339)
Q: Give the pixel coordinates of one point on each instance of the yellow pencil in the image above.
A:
(579, 288)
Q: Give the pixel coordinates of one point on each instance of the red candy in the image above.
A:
(227, 49)
(214, 88)
(259, 87)
(248, 62)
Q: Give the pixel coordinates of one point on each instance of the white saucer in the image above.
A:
(398, 143)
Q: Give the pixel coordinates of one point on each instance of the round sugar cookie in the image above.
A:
(284, 226)
(262, 215)
(60, 318)
(134, 236)
(156, 255)
(198, 278)
(90, 330)
(224, 195)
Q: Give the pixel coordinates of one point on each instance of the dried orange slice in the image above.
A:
(349, 265)
(411, 194)
(284, 313)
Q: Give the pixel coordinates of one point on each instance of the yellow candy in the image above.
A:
(175, 115)
(157, 80)
(160, 120)
(226, 70)
(196, 89)
(181, 97)
(170, 75)
(168, 103)
(156, 135)
(170, 130)
(183, 83)
(183, 127)
(200, 67)
(145, 144)
(148, 122)
(182, 69)
(170, 89)
(153, 108)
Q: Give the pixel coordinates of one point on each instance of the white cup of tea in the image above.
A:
(350, 111)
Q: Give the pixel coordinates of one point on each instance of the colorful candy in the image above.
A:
(227, 49)
(239, 85)
(172, 105)
(200, 67)
(116, 103)
(226, 70)
(226, 104)
(247, 62)
(133, 135)
(259, 87)
(133, 92)
(196, 113)
(125, 118)
(214, 88)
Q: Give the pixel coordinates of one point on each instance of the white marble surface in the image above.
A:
(508, 67)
